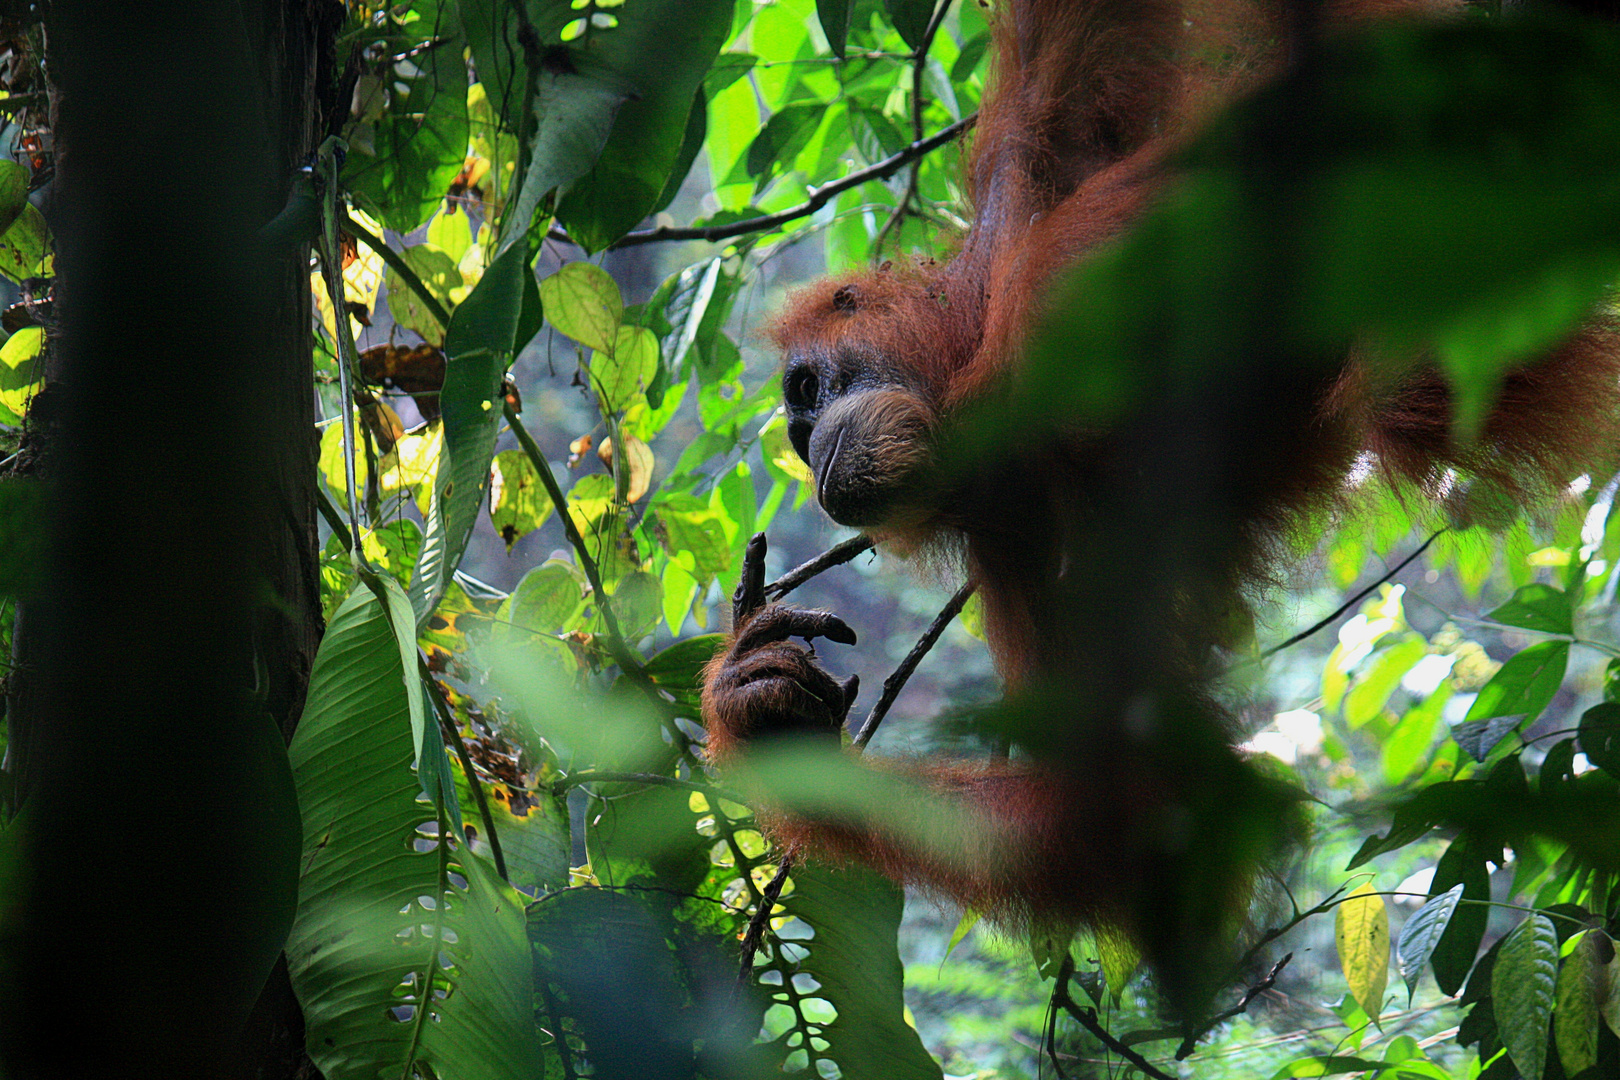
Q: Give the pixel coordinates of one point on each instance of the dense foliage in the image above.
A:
(515, 860)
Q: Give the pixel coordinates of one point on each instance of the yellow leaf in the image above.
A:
(1361, 932)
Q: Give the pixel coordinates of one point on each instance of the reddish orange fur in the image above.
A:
(1089, 97)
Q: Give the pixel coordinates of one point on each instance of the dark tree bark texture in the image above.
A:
(168, 650)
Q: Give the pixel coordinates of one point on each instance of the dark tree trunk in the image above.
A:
(165, 658)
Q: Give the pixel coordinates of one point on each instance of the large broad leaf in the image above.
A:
(391, 913)
(478, 345)
(662, 48)
(410, 139)
(573, 114)
(1522, 983)
(853, 956)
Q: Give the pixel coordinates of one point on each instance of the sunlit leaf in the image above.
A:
(1361, 934)
(1537, 607)
(623, 372)
(518, 502)
(1525, 684)
(582, 302)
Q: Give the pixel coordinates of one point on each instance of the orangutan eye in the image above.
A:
(801, 388)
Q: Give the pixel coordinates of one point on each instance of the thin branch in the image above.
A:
(837, 555)
(897, 681)
(396, 263)
(1088, 1020)
(761, 919)
(1191, 1041)
(616, 646)
(817, 198)
(1354, 600)
(919, 67)
(447, 723)
(348, 362)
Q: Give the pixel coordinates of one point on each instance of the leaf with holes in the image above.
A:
(855, 916)
(1522, 987)
(518, 502)
(1361, 932)
(391, 914)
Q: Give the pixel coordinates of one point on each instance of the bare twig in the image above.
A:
(1191, 1041)
(1088, 1020)
(1354, 600)
(919, 67)
(897, 681)
(818, 197)
(837, 555)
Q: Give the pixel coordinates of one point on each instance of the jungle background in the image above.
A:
(484, 843)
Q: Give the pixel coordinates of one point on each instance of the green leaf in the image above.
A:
(964, 926)
(545, 602)
(1361, 934)
(662, 48)
(583, 303)
(518, 502)
(437, 270)
(681, 665)
(1454, 953)
(1582, 983)
(855, 914)
(13, 192)
(1422, 933)
(697, 130)
(1600, 736)
(574, 109)
(834, 18)
(478, 345)
(390, 913)
(25, 245)
(1538, 607)
(1119, 958)
(783, 136)
(622, 373)
(1524, 685)
(1522, 984)
(403, 626)
(410, 138)
(910, 17)
(1369, 696)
